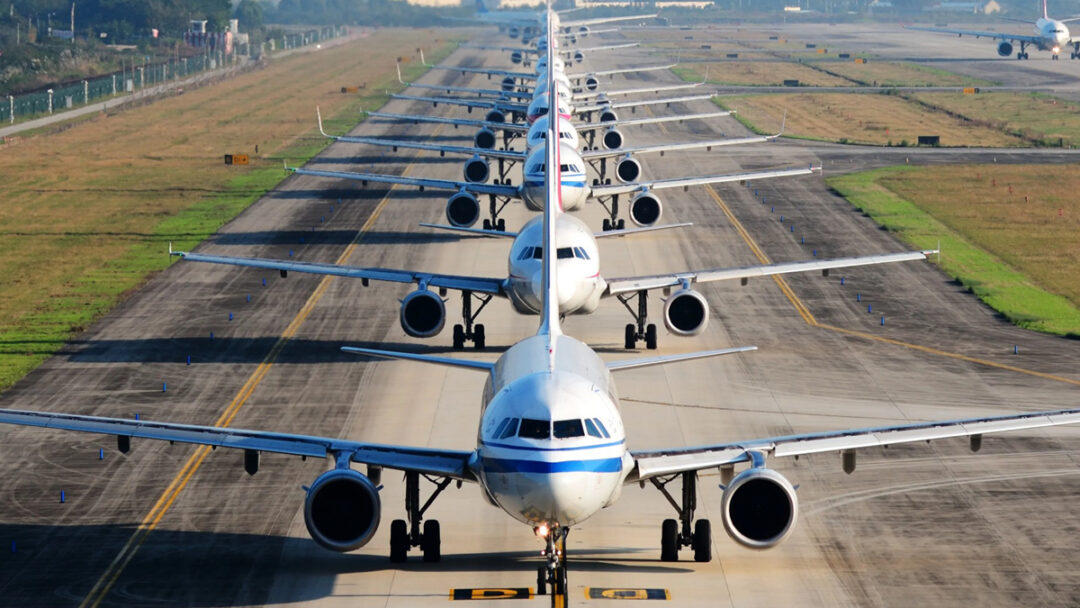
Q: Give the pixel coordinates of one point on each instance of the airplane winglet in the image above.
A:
(483, 366)
(423, 61)
(647, 361)
(783, 125)
(476, 231)
(398, 66)
(318, 116)
(706, 78)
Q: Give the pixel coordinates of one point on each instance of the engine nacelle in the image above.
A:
(462, 210)
(342, 510)
(516, 56)
(627, 170)
(759, 508)
(613, 139)
(592, 82)
(686, 313)
(423, 314)
(476, 170)
(508, 83)
(646, 209)
(1004, 48)
(579, 56)
(514, 31)
(608, 115)
(485, 138)
(583, 30)
(495, 116)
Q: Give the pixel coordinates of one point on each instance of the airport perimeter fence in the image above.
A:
(139, 77)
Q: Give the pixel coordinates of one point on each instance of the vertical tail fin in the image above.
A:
(1045, 15)
(481, 8)
(549, 314)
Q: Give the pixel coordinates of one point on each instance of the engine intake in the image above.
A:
(508, 83)
(759, 508)
(579, 56)
(591, 82)
(342, 510)
(1005, 49)
(608, 115)
(495, 116)
(485, 138)
(423, 314)
(516, 56)
(646, 209)
(462, 210)
(686, 313)
(627, 170)
(613, 139)
(476, 170)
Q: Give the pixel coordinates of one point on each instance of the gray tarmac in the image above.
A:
(915, 525)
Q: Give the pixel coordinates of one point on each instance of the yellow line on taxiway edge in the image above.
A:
(105, 583)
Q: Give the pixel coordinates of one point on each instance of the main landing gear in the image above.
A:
(552, 575)
(1075, 54)
(468, 331)
(495, 206)
(640, 329)
(404, 536)
(612, 221)
(1023, 53)
(697, 535)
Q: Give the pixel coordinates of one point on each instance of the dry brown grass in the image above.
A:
(1033, 115)
(761, 73)
(898, 74)
(861, 118)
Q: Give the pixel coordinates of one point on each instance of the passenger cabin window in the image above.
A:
(590, 428)
(564, 253)
(565, 429)
(534, 429)
(510, 429)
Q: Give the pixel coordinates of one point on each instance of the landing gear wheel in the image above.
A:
(431, 544)
(399, 541)
(669, 541)
(487, 224)
(459, 337)
(479, 339)
(630, 336)
(541, 581)
(650, 336)
(607, 225)
(702, 541)
(621, 225)
(1054, 57)
(560, 581)
(500, 225)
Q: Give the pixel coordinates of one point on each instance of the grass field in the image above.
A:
(1008, 233)
(1032, 115)
(861, 118)
(89, 211)
(899, 74)
(758, 73)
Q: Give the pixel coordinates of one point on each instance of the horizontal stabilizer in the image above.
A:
(628, 231)
(483, 366)
(632, 363)
(476, 231)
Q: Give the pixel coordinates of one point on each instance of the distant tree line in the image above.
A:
(359, 12)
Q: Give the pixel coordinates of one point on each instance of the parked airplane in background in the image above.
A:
(1050, 35)
(551, 447)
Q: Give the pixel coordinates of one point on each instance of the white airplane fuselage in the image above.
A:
(578, 259)
(573, 188)
(1053, 35)
(541, 455)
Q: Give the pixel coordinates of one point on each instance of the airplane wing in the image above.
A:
(449, 281)
(473, 231)
(640, 230)
(620, 92)
(665, 359)
(684, 182)
(628, 284)
(420, 182)
(445, 463)
(484, 104)
(978, 34)
(605, 47)
(661, 148)
(597, 20)
(511, 155)
(652, 68)
(651, 463)
(463, 122)
(488, 71)
(596, 107)
(588, 126)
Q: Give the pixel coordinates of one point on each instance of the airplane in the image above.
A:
(477, 169)
(591, 80)
(1050, 35)
(521, 55)
(551, 449)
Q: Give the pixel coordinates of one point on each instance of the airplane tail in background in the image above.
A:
(481, 8)
(1045, 14)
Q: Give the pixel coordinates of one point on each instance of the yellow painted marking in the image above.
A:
(505, 593)
(604, 593)
(105, 583)
(804, 312)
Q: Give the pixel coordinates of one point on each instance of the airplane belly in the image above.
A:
(564, 498)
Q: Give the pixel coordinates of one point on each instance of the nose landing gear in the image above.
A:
(552, 575)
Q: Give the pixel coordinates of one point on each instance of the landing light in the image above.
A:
(1056, 50)
(541, 531)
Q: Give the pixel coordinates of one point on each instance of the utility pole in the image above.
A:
(72, 22)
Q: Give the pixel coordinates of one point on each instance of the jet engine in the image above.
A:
(477, 170)
(423, 314)
(342, 510)
(759, 508)
(514, 31)
(646, 209)
(485, 138)
(628, 169)
(508, 83)
(583, 30)
(462, 210)
(1004, 48)
(495, 116)
(579, 56)
(686, 313)
(608, 115)
(592, 82)
(516, 56)
(613, 139)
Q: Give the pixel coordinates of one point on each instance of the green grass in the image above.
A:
(87, 295)
(1000, 286)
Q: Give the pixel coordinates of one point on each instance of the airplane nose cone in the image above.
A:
(567, 289)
